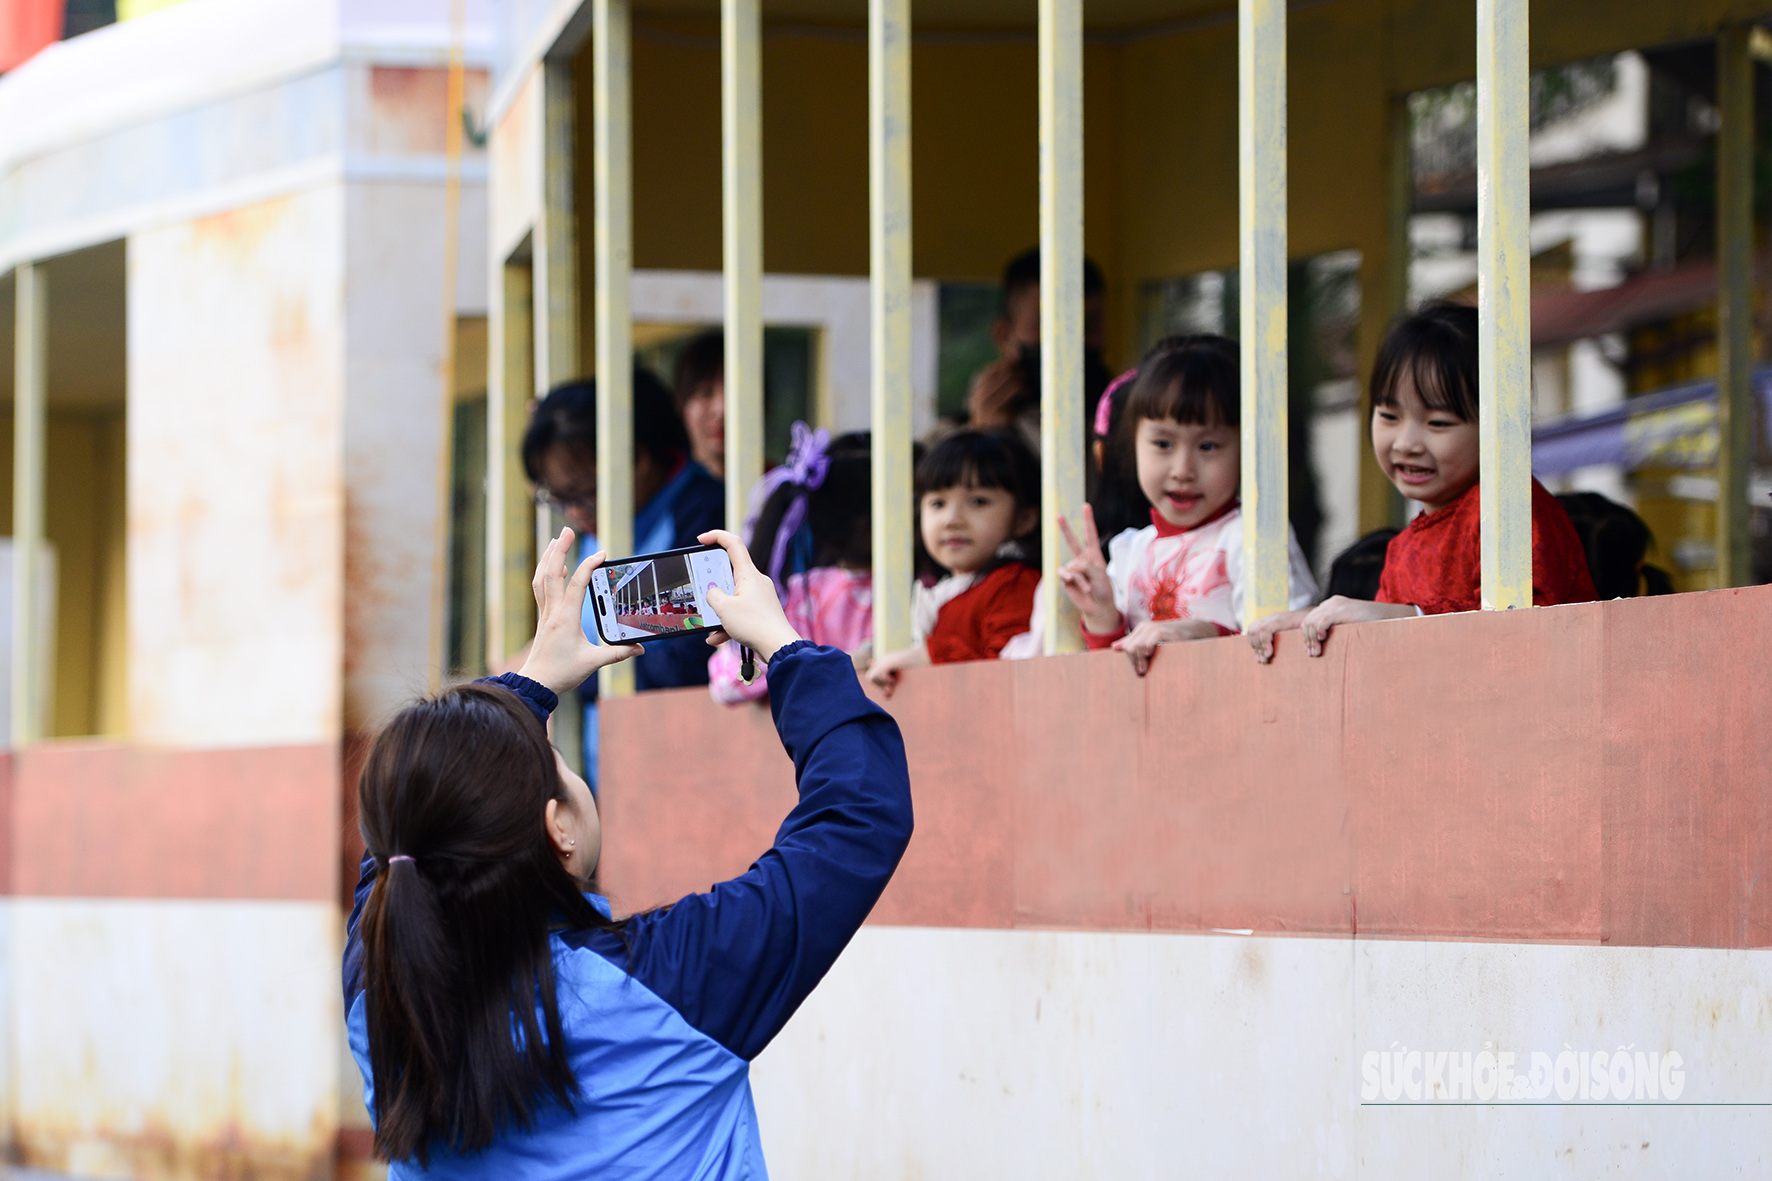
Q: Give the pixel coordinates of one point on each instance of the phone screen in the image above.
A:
(659, 595)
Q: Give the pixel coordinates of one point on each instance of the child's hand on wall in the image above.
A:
(1085, 578)
(1261, 632)
(884, 670)
(1341, 609)
(1141, 643)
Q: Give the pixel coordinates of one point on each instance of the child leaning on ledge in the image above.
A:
(1181, 577)
(1424, 434)
(978, 509)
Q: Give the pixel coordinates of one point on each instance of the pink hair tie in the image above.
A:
(1104, 409)
(402, 857)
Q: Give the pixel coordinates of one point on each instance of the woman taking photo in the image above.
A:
(506, 1025)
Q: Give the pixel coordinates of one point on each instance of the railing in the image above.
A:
(1504, 297)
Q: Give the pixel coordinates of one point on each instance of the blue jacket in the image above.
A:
(661, 1039)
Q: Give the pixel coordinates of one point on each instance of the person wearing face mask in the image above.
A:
(1006, 393)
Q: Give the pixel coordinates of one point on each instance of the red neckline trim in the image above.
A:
(1165, 529)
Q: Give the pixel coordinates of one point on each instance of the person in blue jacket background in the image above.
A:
(675, 501)
(505, 1023)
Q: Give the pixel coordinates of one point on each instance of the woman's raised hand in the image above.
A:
(560, 657)
(1085, 578)
(752, 615)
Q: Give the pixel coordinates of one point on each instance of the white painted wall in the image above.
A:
(235, 484)
(964, 1054)
(189, 1023)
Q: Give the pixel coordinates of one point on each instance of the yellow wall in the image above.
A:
(84, 521)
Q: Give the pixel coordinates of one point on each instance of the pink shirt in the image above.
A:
(828, 605)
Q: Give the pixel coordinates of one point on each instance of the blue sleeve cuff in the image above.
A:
(540, 699)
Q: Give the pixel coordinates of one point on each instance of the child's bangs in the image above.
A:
(1194, 383)
(979, 459)
(1436, 350)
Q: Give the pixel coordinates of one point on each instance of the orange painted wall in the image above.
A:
(1589, 773)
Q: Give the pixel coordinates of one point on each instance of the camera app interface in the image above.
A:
(663, 596)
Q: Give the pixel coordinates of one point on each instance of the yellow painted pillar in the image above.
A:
(556, 236)
(1504, 303)
(1735, 299)
(889, 263)
(30, 396)
(1261, 182)
(1061, 304)
(511, 511)
(452, 150)
(741, 126)
(613, 237)
(1380, 506)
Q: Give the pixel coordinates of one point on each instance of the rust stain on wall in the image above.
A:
(158, 1153)
(408, 108)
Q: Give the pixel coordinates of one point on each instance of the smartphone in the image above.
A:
(659, 596)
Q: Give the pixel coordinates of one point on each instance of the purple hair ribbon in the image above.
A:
(1104, 409)
(807, 463)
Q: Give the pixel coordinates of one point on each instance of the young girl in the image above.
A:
(506, 1025)
(978, 504)
(1424, 433)
(1181, 576)
(813, 536)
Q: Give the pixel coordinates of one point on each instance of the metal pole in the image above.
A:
(1504, 303)
(1261, 181)
(510, 515)
(889, 230)
(29, 399)
(613, 238)
(452, 150)
(1735, 302)
(741, 119)
(1061, 303)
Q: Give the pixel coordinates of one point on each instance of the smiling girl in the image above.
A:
(1424, 434)
(1181, 576)
(978, 504)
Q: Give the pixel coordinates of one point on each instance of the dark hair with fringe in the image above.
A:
(1023, 271)
(702, 359)
(838, 512)
(1436, 349)
(567, 417)
(1187, 379)
(455, 942)
(979, 459)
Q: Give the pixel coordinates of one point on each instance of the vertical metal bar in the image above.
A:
(741, 127)
(889, 245)
(613, 238)
(30, 395)
(1504, 303)
(1061, 303)
(1379, 503)
(452, 149)
(1735, 238)
(556, 237)
(510, 515)
(1261, 181)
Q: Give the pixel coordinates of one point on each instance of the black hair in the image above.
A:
(455, 957)
(1187, 379)
(1356, 571)
(1436, 349)
(839, 518)
(567, 417)
(1616, 541)
(1023, 272)
(980, 459)
(701, 360)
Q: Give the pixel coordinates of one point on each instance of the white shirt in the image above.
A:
(1195, 574)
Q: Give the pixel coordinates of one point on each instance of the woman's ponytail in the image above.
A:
(465, 1039)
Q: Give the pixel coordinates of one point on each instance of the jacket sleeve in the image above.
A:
(737, 961)
(541, 701)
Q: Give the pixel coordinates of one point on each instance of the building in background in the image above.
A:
(227, 239)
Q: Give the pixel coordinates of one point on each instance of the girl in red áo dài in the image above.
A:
(1424, 433)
